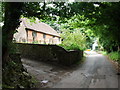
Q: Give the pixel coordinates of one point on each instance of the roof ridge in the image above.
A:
(40, 27)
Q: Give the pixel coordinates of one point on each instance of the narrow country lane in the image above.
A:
(95, 72)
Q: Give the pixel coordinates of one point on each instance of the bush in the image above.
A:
(103, 52)
(115, 56)
(74, 40)
(35, 42)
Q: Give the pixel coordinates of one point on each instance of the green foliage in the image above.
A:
(82, 23)
(114, 56)
(53, 23)
(73, 40)
(35, 42)
(15, 76)
(106, 25)
(1, 12)
(102, 21)
(103, 52)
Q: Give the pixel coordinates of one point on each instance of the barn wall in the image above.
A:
(49, 39)
(21, 34)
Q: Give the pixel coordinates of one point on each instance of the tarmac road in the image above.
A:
(95, 72)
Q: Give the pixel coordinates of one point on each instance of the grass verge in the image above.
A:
(114, 56)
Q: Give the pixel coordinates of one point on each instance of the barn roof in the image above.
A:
(39, 27)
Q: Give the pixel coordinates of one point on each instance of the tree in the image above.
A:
(13, 12)
(82, 23)
(74, 40)
(106, 25)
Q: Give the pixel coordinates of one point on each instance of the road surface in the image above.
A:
(95, 72)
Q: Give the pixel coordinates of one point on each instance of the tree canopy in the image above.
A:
(95, 19)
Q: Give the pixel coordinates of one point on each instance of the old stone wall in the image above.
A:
(49, 53)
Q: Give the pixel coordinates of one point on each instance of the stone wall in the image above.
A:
(51, 53)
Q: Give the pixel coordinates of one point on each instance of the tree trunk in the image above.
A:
(13, 11)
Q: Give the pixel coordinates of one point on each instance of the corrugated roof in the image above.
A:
(39, 26)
